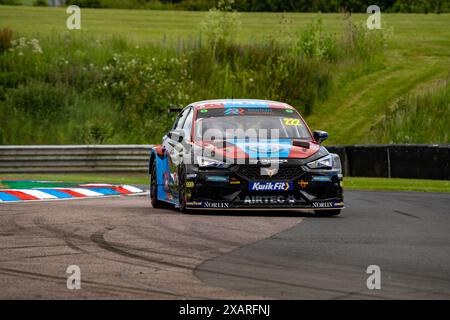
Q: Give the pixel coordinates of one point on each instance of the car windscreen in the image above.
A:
(258, 123)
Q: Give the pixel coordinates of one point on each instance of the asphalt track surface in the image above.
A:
(126, 249)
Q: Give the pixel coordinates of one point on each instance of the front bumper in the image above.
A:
(242, 187)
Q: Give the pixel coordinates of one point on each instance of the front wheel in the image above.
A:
(182, 192)
(327, 213)
(154, 189)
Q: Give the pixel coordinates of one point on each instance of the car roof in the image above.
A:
(239, 103)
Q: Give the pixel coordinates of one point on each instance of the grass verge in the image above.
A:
(396, 184)
(416, 52)
(83, 178)
(350, 183)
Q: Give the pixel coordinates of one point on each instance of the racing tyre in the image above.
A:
(182, 192)
(327, 213)
(154, 189)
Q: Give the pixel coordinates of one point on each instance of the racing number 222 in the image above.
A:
(291, 121)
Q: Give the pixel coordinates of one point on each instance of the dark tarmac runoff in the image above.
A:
(126, 249)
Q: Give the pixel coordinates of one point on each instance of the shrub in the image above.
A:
(40, 3)
(6, 36)
(145, 88)
(221, 23)
(11, 2)
(316, 44)
(40, 101)
(361, 43)
(418, 118)
(86, 3)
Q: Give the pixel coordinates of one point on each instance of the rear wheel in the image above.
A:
(154, 189)
(327, 213)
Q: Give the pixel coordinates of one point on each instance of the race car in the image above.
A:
(244, 154)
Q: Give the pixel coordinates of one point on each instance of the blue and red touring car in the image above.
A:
(245, 154)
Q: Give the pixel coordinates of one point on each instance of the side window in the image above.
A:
(180, 120)
(188, 124)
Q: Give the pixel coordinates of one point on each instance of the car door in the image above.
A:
(187, 156)
(174, 151)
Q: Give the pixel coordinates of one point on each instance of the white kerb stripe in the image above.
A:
(87, 192)
(38, 194)
(132, 189)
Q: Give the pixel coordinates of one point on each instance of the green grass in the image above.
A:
(82, 178)
(417, 54)
(350, 183)
(428, 111)
(395, 184)
(151, 25)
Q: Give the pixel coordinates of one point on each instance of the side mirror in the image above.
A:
(320, 136)
(176, 135)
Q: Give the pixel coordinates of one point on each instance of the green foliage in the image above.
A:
(421, 6)
(145, 87)
(221, 23)
(76, 89)
(417, 6)
(6, 35)
(361, 42)
(11, 2)
(315, 43)
(89, 4)
(39, 101)
(418, 118)
(267, 71)
(40, 3)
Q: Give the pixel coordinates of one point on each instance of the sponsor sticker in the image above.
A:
(194, 204)
(327, 204)
(208, 204)
(268, 161)
(321, 178)
(270, 186)
(234, 111)
(217, 178)
(303, 184)
(190, 184)
(269, 199)
(234, 181)
(291, 121)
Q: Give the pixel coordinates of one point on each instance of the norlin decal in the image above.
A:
(216, 205)
(323, 204)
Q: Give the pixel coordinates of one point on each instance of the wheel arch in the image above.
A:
(156, 151)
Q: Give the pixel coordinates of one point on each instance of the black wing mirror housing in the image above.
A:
(177, 135)
(320, 136)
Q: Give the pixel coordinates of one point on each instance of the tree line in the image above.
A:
(422, 6)
(406, 6)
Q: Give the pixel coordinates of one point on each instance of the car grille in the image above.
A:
(285, 173)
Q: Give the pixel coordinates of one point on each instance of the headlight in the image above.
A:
(322, 163)
(331, 161)
(204, 162)
(337, 163)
